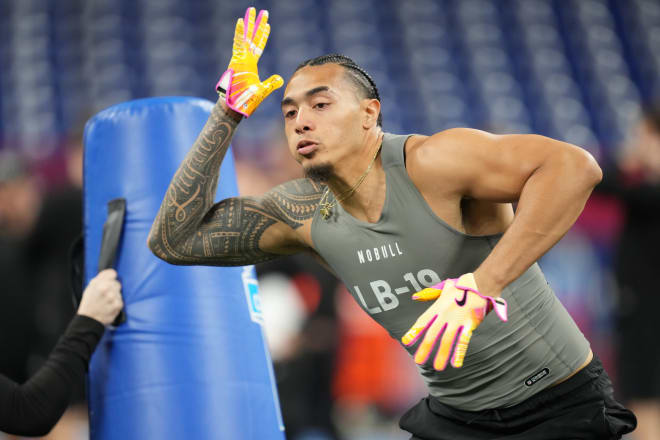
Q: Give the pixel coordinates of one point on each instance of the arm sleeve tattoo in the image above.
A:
(189, 229)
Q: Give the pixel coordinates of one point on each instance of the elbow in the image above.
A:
(590, 171)
(39, 425)
(32, 411)
(159, 250)
(579, 166)
(169, 254)
(41, 428)
(151, 238)
(153, 245)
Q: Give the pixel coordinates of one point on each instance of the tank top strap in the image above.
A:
(392, 150)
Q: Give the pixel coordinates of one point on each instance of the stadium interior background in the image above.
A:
(576, 70)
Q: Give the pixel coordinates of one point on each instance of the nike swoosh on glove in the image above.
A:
(458, 309)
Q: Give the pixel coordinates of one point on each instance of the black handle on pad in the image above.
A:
(112, 228)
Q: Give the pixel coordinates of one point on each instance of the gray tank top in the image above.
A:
(382, 264)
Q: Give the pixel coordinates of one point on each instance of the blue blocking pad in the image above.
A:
(190, 362)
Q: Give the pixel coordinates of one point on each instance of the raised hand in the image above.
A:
(240, 83)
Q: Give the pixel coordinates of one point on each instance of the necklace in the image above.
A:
(326, 207)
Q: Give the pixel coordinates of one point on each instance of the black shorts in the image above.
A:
(582, 407)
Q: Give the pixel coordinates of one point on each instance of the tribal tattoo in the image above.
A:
(294, 202)
(189, 229)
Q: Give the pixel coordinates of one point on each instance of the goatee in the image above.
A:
(319, 173)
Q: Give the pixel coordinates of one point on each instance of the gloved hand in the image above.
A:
(240, 83)
(458, 309)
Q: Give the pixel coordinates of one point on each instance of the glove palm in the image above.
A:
(240, 83)
(458, 309)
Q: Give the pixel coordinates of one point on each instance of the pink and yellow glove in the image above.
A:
(458, 309)
(240, 83)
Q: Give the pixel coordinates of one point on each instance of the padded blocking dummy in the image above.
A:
(190, 361)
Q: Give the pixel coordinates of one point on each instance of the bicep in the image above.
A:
(490, 167)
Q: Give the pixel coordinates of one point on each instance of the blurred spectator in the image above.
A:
(297, 297)
(301, 328)
(36, 230)
(19, 196)
(58, 224)
(637, 183)
(369, 397)
(19, 205)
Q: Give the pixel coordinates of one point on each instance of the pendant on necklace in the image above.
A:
(325, 210)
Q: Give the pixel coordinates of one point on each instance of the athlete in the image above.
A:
(422, 232)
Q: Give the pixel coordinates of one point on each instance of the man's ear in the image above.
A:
(371, 112)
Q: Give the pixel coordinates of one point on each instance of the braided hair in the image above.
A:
(356, 74)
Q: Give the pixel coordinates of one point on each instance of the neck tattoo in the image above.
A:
(326, 207)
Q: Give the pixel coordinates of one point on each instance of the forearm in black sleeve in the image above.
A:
(34, 407)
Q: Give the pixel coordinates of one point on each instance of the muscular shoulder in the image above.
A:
(294, 202)
(441, 162)
(442, 146)
(444, 166)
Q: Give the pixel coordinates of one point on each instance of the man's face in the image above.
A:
(322, 116)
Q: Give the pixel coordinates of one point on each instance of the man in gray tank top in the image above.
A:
(422, 232)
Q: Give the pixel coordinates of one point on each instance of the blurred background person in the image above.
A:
(40, 216)
(298, 301)
(20, 201)
(58, 224)
(635, 182)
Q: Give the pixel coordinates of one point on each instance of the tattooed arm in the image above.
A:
(189, 229)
